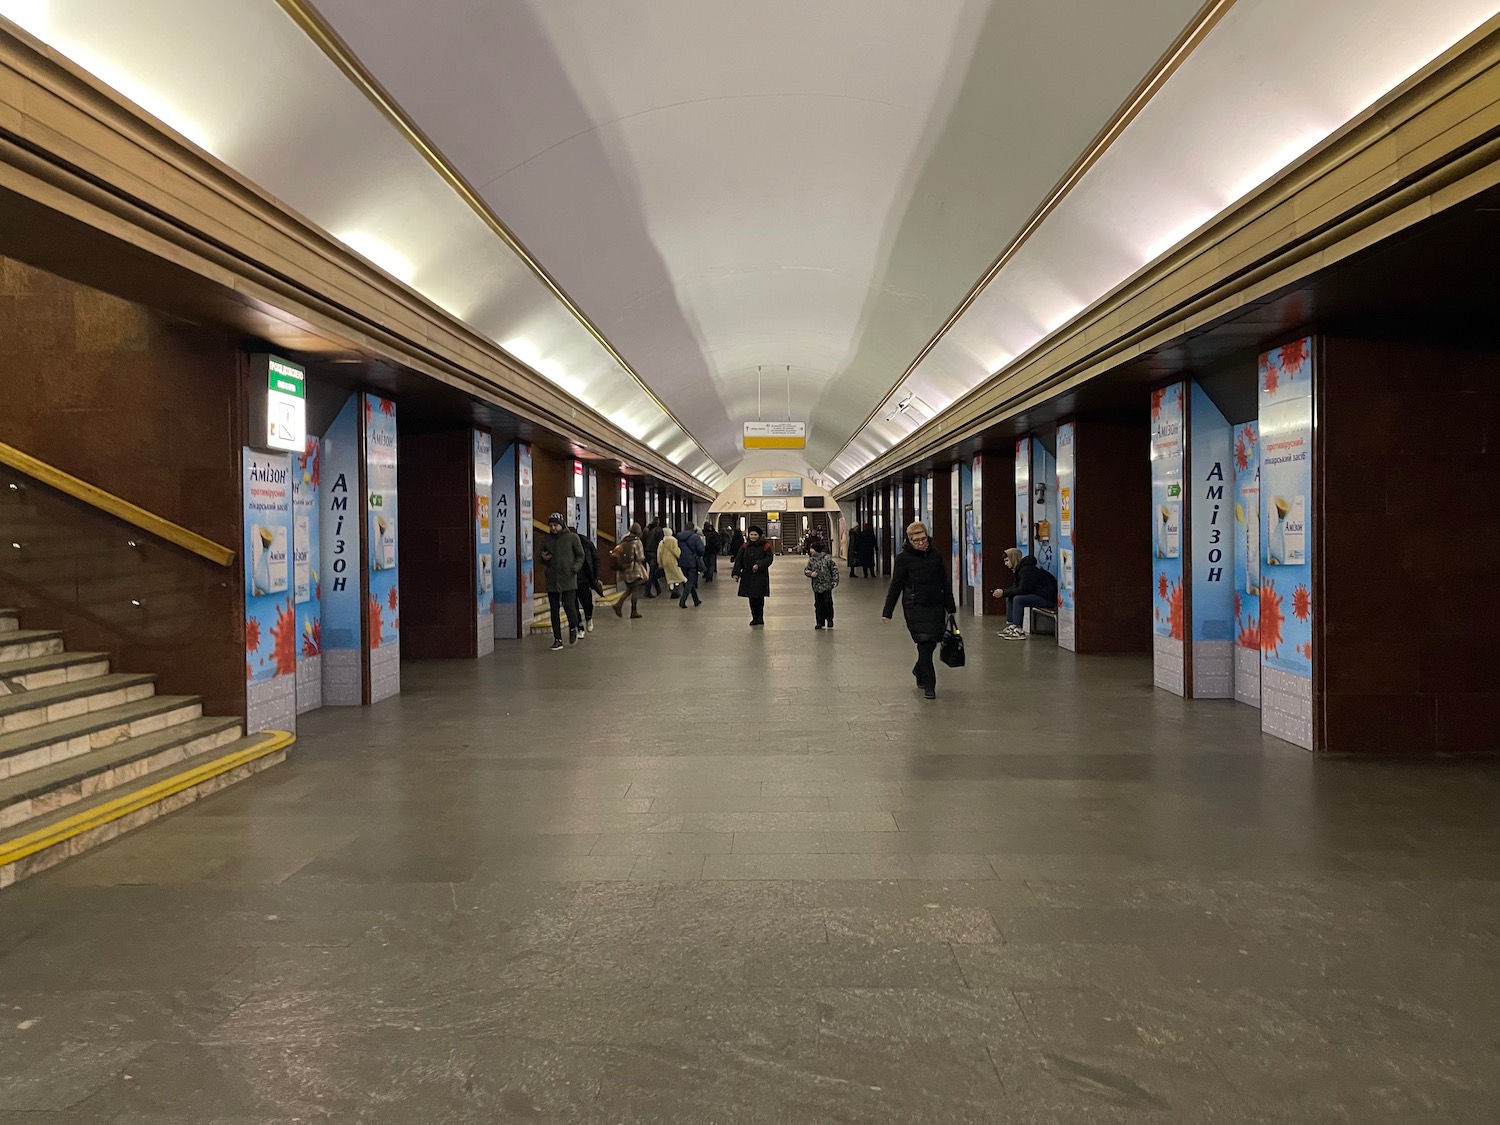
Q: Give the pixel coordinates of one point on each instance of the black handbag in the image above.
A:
(951, 652)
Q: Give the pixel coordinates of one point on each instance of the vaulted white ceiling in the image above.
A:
(748, 200)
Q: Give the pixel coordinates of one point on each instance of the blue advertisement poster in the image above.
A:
(976, 536)
(382, 539)
(1286, 430)
(527, 587)
(1023, 495)
(1247, 536)
(484, 540)
(1066, 596)
(1167, 412)
(1212, 523)
(343, 608)
(270, 614)
(504, 557)
(307, 566)
(1044, 507)
(956, 512)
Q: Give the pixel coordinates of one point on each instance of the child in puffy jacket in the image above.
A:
(824, 573)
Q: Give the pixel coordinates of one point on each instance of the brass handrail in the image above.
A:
(112, 505)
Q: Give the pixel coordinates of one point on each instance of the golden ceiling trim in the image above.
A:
(1430, 144)
(1197, 30)
(321, 32)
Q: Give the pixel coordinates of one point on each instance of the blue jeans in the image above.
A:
(689, 588)
(1015, 608)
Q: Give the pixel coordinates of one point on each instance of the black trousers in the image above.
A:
(923, 670)
(563, 599)
(823, 606)
(757, 609)
(586, 602)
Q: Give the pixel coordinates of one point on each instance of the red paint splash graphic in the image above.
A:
(387, 407)
(1293, 356)
(1249, 635)
(1271, 618)
(1161, 586)
(1301, 603)
(284, 634)
(1271, 376)
(390, 599)
(252, 635)
(1156, 397)
(312, 639)
(249, 673)
(1177, 612)
(1241, 452)
(377, 623)
(1306, 650)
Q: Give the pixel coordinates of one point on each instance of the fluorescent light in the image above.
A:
(135, 89)
(381, 253)
(30, 14)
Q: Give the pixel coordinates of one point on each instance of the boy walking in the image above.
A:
(824, 573)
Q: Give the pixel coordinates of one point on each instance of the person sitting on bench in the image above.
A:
(1034, 588)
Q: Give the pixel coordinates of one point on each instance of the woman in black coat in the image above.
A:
(921, 580)
(752, 567)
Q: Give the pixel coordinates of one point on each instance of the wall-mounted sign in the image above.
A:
(775, 435)
(773, 486)
(578, 480)
(281, 414)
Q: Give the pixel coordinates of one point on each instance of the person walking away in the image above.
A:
(629, 557)
(713, 543)
(1034, 587)
(736, 545)
(588, 580)
(851, 549)
(562, 554)
(823, 569)
(667, 554)
(921, 580)
(652, 542)
(868, 544)
(752, 567)
(691, 551)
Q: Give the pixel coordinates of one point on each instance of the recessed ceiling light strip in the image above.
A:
(1197, 30)
(318, 29)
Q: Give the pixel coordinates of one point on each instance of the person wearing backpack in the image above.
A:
(690, 555)
(824, 572)
(1034, 587)
(629, 558)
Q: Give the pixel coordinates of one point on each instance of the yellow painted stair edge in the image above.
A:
(55, 834)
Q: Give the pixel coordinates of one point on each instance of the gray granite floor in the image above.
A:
(696, 873)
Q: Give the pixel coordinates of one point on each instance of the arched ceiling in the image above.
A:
(755, 203)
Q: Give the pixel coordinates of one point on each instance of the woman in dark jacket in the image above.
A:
(752, 567)
(921, 580)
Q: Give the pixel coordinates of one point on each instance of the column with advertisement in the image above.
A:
(1211, 567)
(1169, 611)
(382, 537)
(592, 514)
(343, 567)
(1247, 564)
(956, 513)
(270, 611)
(966, 556)
(526, 534)
(484, 540)
(1286, 606)
(1023, 495)
(307, 567)
(1044, 507)
(1067, 607)
(505, 565)
(976, 539)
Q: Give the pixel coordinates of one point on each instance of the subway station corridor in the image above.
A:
(692, 872)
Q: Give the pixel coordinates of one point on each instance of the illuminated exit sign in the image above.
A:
(282, 420)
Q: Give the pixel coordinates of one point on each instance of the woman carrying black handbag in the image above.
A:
(921, 580)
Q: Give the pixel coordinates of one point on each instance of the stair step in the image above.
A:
(97, 819)
(23, 644)
(23, 710)
(72, 738)
(49, 671)
(45, 790)
(10, 620)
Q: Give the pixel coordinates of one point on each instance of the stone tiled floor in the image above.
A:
(695, 873)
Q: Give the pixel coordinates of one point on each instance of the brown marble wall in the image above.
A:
(552, 477)
(1111, 535)
(999, 528)
(438, 616)
(148, 408)
(1408, 553)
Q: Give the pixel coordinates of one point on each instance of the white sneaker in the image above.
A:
(588, 626)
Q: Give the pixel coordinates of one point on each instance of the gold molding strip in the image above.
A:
(321, 32)
(1197, 30)
(112, 505)
(77, 825)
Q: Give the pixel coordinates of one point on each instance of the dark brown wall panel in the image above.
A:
(437, 546)
(145, 407)
(1409, 552)
(1111, 535)
(552, 478)
(999, 528)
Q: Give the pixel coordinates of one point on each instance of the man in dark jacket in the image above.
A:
(653, 541)
(712, 545)
(690, 561)
(1034, 587)
(588, 579)
(736, 545)
(562, 554)
(921, 580)
(869, 544)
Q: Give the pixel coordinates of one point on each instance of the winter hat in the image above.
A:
(555, 517)
(635, 529)
(755, 527)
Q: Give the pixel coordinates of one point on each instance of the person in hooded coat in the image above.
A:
(1034, 587)
(629, 558)
(713, 544)
(736, 544)
(668, 554)
(691, 551)
(752, 567)
(920, 578)
(869, 543)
